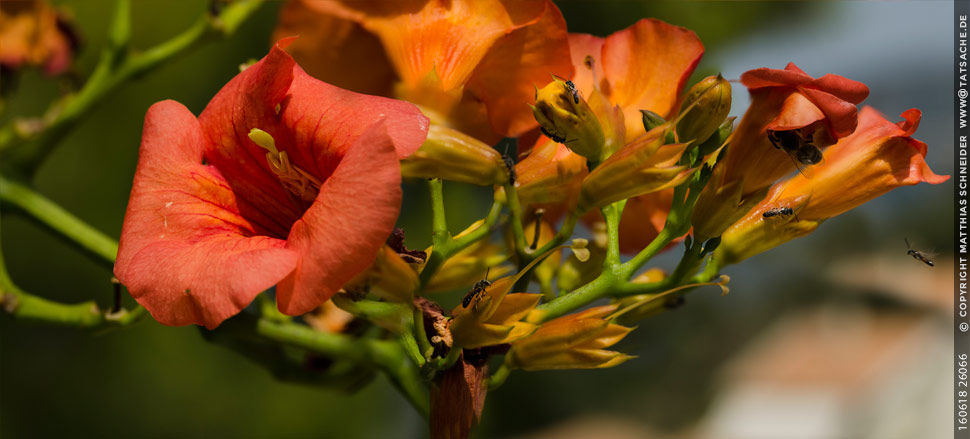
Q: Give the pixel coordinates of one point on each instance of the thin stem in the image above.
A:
(59, 220)
(655, 297)
(114, 69)
(449, 360)
(443, 245)
(387, 355)
(439, 226)
(481, 232)
(498, 378)
(580, 297)
(420, 335)
(515, 211)
(568, 226)
(26, 307)
(659, 243)
(440, 237)
(612, 214)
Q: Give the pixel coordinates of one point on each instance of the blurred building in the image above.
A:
(876, 367)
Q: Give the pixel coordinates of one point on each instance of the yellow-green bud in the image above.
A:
(704, 109)
(640, 167)
(565, 117)
(454, 156)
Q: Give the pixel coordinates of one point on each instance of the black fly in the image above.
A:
(477, 290)
(572, 89)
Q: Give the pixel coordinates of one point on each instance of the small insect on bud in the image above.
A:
(704, 109)
(565, 117)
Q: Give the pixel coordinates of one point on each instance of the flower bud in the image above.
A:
(565, 117)
(389, 278)
(492, 316)
(573, 341)
(550, 176)
(454, 156)
(646, 165)
(718, 207)
(704, 109)
(718, 139)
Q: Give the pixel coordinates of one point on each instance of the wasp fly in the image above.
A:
(918, 255)
(477, 290)
(779, 211)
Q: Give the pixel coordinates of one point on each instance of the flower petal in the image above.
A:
(249, 101)
(352, 216)
(335, 50)
(505, 78)
(186, 252)
(581, 46)
(318, 136)
(647, 66)
(447, 37)
(878, 157)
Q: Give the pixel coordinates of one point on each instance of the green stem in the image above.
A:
(449, 360)
(612, 214)
(420, 335)
(443, 245)
(498, 378)
(387, 355)
(26, 307)
(515, 211)
(440, 237)
(59, 220)
(439, 225)
(659, 243)
(114, 69)
(580, 297)
(480, 233)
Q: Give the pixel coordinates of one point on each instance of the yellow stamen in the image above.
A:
(293, 179)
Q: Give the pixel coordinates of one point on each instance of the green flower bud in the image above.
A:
(454, 156)
(704, 109)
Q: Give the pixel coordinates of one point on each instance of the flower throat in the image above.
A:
(293, 179)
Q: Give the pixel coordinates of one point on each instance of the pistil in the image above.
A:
(295, 180)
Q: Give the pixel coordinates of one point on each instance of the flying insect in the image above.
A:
(918, 255)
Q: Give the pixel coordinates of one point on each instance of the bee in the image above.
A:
(918, 255)
(572, 89)
(798, 147)
(477, 290)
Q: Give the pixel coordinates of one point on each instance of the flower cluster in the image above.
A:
(287, 183)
